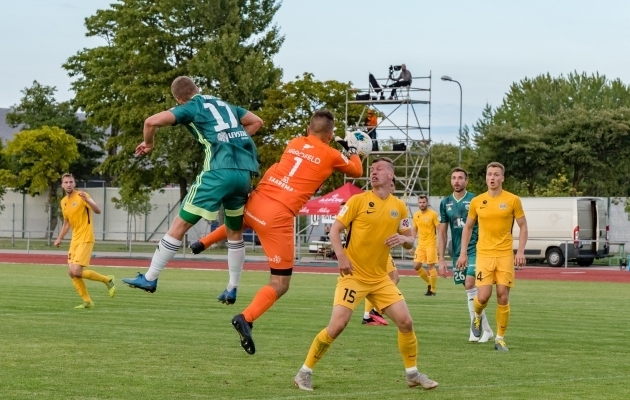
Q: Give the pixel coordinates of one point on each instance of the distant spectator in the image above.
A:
(404, 79)
(371, 121)
(326, 233)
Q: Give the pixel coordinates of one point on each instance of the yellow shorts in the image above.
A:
(350, 292)
(494, 270)
(391, 267)
(426, 255)
(80, 253)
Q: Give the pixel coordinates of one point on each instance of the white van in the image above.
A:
(552, 221)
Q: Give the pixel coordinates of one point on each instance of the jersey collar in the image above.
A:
(455, 198)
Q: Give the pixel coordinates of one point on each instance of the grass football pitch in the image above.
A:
(567, 340)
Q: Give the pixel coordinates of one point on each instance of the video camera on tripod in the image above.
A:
(393, 68)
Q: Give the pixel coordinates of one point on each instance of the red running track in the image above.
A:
(539, 273)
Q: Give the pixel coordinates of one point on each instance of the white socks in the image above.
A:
(411, 371)
(471, 293)
(166, 250)
(366, 315)
(235, 259)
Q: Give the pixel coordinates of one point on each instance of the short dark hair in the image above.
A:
(183, 88)
(423, 196)
(322, 121)
(458, 169)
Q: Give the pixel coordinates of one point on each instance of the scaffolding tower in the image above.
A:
(404, 132)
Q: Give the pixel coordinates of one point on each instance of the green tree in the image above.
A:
(227, 47)
(38, 108)
(546, 125)
(287, 111)
(37, 159)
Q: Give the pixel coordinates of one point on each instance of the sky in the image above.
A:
(485, 45)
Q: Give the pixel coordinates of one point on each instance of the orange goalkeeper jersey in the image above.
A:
(305, 164)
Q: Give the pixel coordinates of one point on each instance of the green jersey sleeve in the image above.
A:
(238, 111)
(184, 113)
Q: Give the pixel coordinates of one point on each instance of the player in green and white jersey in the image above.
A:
(231, 158)
(453, 214)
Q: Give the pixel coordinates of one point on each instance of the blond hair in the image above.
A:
(495, 164)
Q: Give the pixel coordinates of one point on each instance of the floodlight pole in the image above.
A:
(448, 78)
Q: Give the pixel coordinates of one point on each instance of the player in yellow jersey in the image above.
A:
(425, 223)
(495, 211)
(376, 221)
(372, 316)
(77, 208)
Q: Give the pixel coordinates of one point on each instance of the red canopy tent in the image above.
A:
(330, 204)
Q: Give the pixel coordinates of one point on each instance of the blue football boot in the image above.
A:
(140, 282)
(228, 297)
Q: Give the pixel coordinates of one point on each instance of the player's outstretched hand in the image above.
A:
(346, 146)
(143, 148)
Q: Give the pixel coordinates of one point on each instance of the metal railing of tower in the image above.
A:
(404, 131)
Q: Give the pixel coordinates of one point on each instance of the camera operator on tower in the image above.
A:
(403, 79)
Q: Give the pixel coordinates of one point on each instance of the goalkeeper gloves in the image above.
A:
(344, 143)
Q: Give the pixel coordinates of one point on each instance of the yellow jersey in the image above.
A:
(495, 216)
(369, 221)
(79, 215)
(426, 222)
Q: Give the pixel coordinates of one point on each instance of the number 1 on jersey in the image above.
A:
(298, 161)
(221, 125)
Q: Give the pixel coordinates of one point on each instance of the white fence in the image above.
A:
(24, 214)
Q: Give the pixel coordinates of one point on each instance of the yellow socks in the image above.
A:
(479, 307)
(320, 346)
(432, 278)
(503, 316)
(79, 285)
(94, 276)
(408, 347)
(423, 274)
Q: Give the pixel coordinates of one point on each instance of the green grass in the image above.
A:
(568, 340)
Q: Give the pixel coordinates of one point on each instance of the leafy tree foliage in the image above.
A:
(225, 46)
(576, 126)
(38, 108)
(37, 159)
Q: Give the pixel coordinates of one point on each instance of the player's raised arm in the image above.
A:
(151, 125)
(91, 203)
(251, 123)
